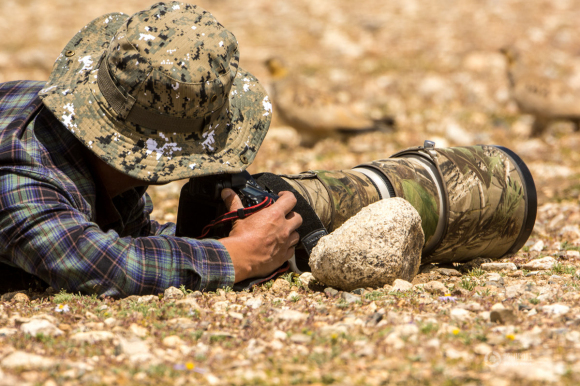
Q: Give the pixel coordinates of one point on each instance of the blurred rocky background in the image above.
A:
(435, 67)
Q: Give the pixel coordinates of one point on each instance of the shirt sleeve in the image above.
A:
(43, 233)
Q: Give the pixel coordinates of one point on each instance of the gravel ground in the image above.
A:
(433, 66)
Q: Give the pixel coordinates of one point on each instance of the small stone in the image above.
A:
(402, 285)
(394, 341)
(495, 277)
(172, 341)
(543, 264)
(514, 291)
(460, 315)
(556, 309)
(254, 303)
(92, 336)
(194, 294)
(280, 335)
(330, 292)
(21, 298)
(190, 303)
(570, 255)
(460, 292)
(498, 267)
(449, 272)
(8, 296)
(537, 247)
(300, 338)
(498, 306)
(351, 298)
(291, 315)
(517, 273)
(40, 326)
(379, 244)
(306, 278)
(358, 291)
(280, 285)
(435, 287)
(482, 349)
(110, 322)
(137, 330)
(173, 293)
(26, 361)
(505, 316)
(148, 298)
(7, 331)
(136, 349)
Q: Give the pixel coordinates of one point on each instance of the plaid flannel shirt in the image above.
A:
(56, 223)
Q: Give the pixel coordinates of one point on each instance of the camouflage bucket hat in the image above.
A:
(159, 95)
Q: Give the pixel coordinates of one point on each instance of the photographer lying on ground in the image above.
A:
(134, 101)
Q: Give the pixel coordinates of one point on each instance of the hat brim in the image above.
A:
(228, 145)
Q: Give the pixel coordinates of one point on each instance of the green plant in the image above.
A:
(484, 293)
(185, 290)
(534, 301)
(375, 295)
(467, 284)
(476, 272)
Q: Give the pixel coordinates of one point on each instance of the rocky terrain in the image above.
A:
(435, 68)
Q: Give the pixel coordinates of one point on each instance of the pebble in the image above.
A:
(26, 361)
(306, 278)
(172, 341)
(136, 349)
(351, 298)
(498, 267)
(20, 298)
(300, 338)
(92, 336)
(291, 315)
(402, 285)
(435, 287)
(503, 316)
(173, 293)
(556, 309)
(543, 264)
(460, 314)
(537, 247)
(40, 326)
(330, 292)
(293, 295)
(448, 272)
(281, 285)
(254, 303)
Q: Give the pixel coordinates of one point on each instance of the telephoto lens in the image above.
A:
(474, 201)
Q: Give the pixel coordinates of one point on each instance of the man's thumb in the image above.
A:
(231, 200)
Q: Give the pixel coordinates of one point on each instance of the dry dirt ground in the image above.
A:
(434, 67)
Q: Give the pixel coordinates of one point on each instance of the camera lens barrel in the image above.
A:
(474, 201)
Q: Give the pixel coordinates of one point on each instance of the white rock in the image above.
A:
(293, 296)
(460, 314)
(482, 349)
(92, 336)
(254, 302)
(435, 287)
(137, 330)
(406, 330)
(537, 247)
(26, 361)
(530, 370)
(149, 298)
(220, 307)
(498, 267)
(172, 341)
(543, 264)
(306, 278)
(291, 315)
(173, 293)
(394, 341)
(556, 309)
(136, 349)
(402, 285)
(280, 335)
(40, 326)
(379, 244)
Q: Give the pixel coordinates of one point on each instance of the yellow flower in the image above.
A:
(455, 331)
(447, 295)
(510, 336)
(189, 366)
(334, 336)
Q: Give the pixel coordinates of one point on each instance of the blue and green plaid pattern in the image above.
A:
(48, 215)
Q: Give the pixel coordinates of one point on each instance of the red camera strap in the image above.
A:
(235, 215)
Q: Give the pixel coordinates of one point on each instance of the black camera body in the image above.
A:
(200, 202)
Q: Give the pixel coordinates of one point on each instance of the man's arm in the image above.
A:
(43, 233)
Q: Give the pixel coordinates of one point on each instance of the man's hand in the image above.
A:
(263, 241)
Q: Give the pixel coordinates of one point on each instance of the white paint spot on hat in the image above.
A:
(87, 62)
(192, 166)
(67, 120)
(207, 144)
(221, 44)
(65, 92)
(175, 86)
(176, 6)
(246, 87)
(267, 106)
(153, 146)
(193, 27)
(146, 37)
(45, 90)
